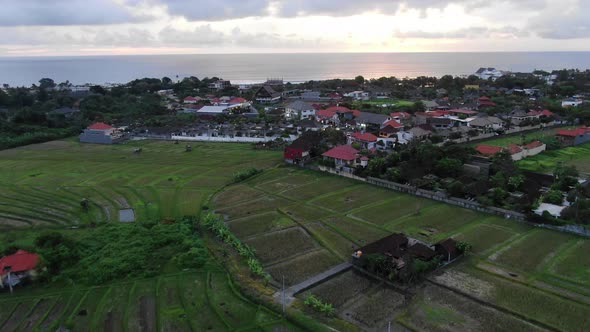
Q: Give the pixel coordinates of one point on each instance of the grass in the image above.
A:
(517, 139)
(260, 223)
(390, 211)
(578, 156)
(355, 231)
(483, 237)
(377, 308)
(342, 288)
(355, 197)
(280, 245)
(575, 264)
(303, 267)
(332, 240)
(532, 252)
(435, 222)
(322, 186)
(305, 213)
(263, 204)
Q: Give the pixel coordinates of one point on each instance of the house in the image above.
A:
(299, 110)
(65, 112)
(488, 73)
(390, 128)
(335, 113)
(17, 267)
(213, 110)
(447, 249)
(421, 251)
(370, 121)
(401, 117)
(541, 114)
(485, 102)
(191, 100)
(486, 123)
(365, 140)
(573, 137)
(299, 151)
(100, 133)
(236, 101)
(534, 148)
(267, 95)
(358, 95)
(420, 133)
(220, 85)
(343, 155)
(488, 150)
(516, 152)
(572, 102)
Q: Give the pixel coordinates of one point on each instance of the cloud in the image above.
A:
(65, 12)
(199, 36)
(568, 19)
(216, 10)
(466, 33)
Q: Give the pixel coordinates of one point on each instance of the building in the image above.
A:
(370, 121)
(220, 85)
(190, 100)
(267, 95)
(365, 140)
(402, 117)
(299, 110)
(343, 156)
(572, 102)
(447, 249)
(100, 133)
(16, 268)
(390, 128)
(486, 123)
(299, 151)
(358, 95)
(488, 73)
(573, 137)
(488, 150)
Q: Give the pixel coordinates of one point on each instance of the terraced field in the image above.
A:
(42, 185)
(191, 301)
(301, 223)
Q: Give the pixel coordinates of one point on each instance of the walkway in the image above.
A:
(318, 278)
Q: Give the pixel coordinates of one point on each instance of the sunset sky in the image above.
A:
(100, 27)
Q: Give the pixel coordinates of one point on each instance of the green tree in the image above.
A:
(359, 80)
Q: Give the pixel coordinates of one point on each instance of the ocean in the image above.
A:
(249, 68)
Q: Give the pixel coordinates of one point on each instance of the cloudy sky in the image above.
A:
(89, 27)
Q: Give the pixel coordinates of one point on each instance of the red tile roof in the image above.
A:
(100, 126)
(190, 98)
(484, 98)
(238, 100)
(393, 124)
(403, 115)
(325, 113)
(575, 132)
(364, 158)
(488, 150)
(514, 149)
(534, 144)
(19, 262)
(366, 137)
(343, 152)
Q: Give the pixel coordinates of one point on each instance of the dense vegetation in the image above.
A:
(118, 251)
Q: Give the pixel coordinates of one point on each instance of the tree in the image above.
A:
(46, 83)
(448, 167)
(514, 182)
(553, 197)
(464, 247)
(359, 80)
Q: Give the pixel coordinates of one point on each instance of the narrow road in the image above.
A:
(318, 278)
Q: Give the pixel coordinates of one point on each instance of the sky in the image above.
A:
(120, 27)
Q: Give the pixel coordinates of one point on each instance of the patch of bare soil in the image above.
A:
(54, 314)
(147, 314)
(112, 322)
(465, 283)
(37, 313)
(17, 316)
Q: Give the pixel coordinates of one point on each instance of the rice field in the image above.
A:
(340, 216)
(195, 301)
(578, 156)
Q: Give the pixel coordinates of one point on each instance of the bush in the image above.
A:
(553, 197)
(319, 306)
(245, 174)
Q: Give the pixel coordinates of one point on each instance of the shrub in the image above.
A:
(319, 306)
(553, 197)
(245, 174)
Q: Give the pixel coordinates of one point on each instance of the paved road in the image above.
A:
(291, 291)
